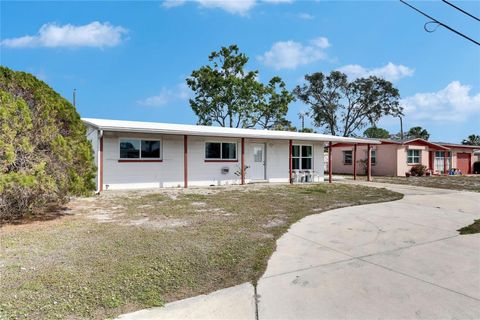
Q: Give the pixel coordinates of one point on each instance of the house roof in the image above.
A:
(425, 142)
(401, 142)
(194, 130)
(458, 145)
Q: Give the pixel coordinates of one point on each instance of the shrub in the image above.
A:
(418, 170)
(44, 153)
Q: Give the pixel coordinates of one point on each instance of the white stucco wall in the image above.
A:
(169, 172)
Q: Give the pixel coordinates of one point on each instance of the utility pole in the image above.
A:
(401, 128)
(301, 115)
(74, 97)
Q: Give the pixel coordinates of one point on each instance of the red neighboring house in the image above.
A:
(395, 158)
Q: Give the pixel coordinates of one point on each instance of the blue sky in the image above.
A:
(129, 60)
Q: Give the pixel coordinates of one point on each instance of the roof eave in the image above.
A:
(253, 135)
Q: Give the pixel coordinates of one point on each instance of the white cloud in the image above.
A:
(390, 71)
(167, 95)
(94, 34)
(305, 16)
(173, 3)
(240, 7)
(291, 54)
(453, 103)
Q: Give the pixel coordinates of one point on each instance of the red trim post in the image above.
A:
(470, 170)
(101, 164)
(290, 144)
(330, 162)
(243, 161)
(369, 163)
(445, 154)
(355, 161)
(185, 161)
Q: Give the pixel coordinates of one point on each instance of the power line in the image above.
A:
(440, 23)
(461, 10)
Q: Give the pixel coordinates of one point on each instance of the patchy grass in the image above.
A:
(470, 229)
(124, 251)
(467, 183)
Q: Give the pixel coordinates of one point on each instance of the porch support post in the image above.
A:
(100, 187)
(290, 143)
(185, 161)
(243, 161)
(445, 154)
(369, 163)
(330, 162)
(355, 161)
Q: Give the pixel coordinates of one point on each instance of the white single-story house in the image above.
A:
(131, 154)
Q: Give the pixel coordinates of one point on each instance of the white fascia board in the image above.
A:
(211, 131)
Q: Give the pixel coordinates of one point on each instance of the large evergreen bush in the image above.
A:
(44, 153)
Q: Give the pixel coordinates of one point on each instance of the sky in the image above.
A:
(129, 60)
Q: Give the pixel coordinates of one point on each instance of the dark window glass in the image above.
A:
(347, 157)
(212, 150)
(295, 151)
(374, 156)
(296, 163)
(229, 151)
(150, 149)
(306, 151)
(306, 163)
(130, 149)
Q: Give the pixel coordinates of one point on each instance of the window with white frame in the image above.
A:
(302, 157)
(220, 151)
(347, 157)
(413, 156)
(139, 149)
(439, 164)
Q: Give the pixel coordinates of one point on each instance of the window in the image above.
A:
(373, 157)
(302, 157)
(347, 157)
(220, 151)
(139, 149)
(413, 156)
(439, 164)
(150, 149)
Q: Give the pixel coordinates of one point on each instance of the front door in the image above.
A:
(463, 162)
(258, 164)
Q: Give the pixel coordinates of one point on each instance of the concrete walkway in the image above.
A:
(397, 260)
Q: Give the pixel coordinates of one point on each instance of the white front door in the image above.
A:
(258, 164)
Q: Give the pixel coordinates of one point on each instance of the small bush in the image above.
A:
(418, 170)
(44, 153)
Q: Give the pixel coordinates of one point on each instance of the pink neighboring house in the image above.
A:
(395, 158)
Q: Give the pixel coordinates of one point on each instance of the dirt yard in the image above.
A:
(468, 183)
(123, 251)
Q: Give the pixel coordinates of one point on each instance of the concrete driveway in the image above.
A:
(396, 260)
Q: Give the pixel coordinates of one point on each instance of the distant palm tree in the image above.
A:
(472, 140)
(418, 132)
